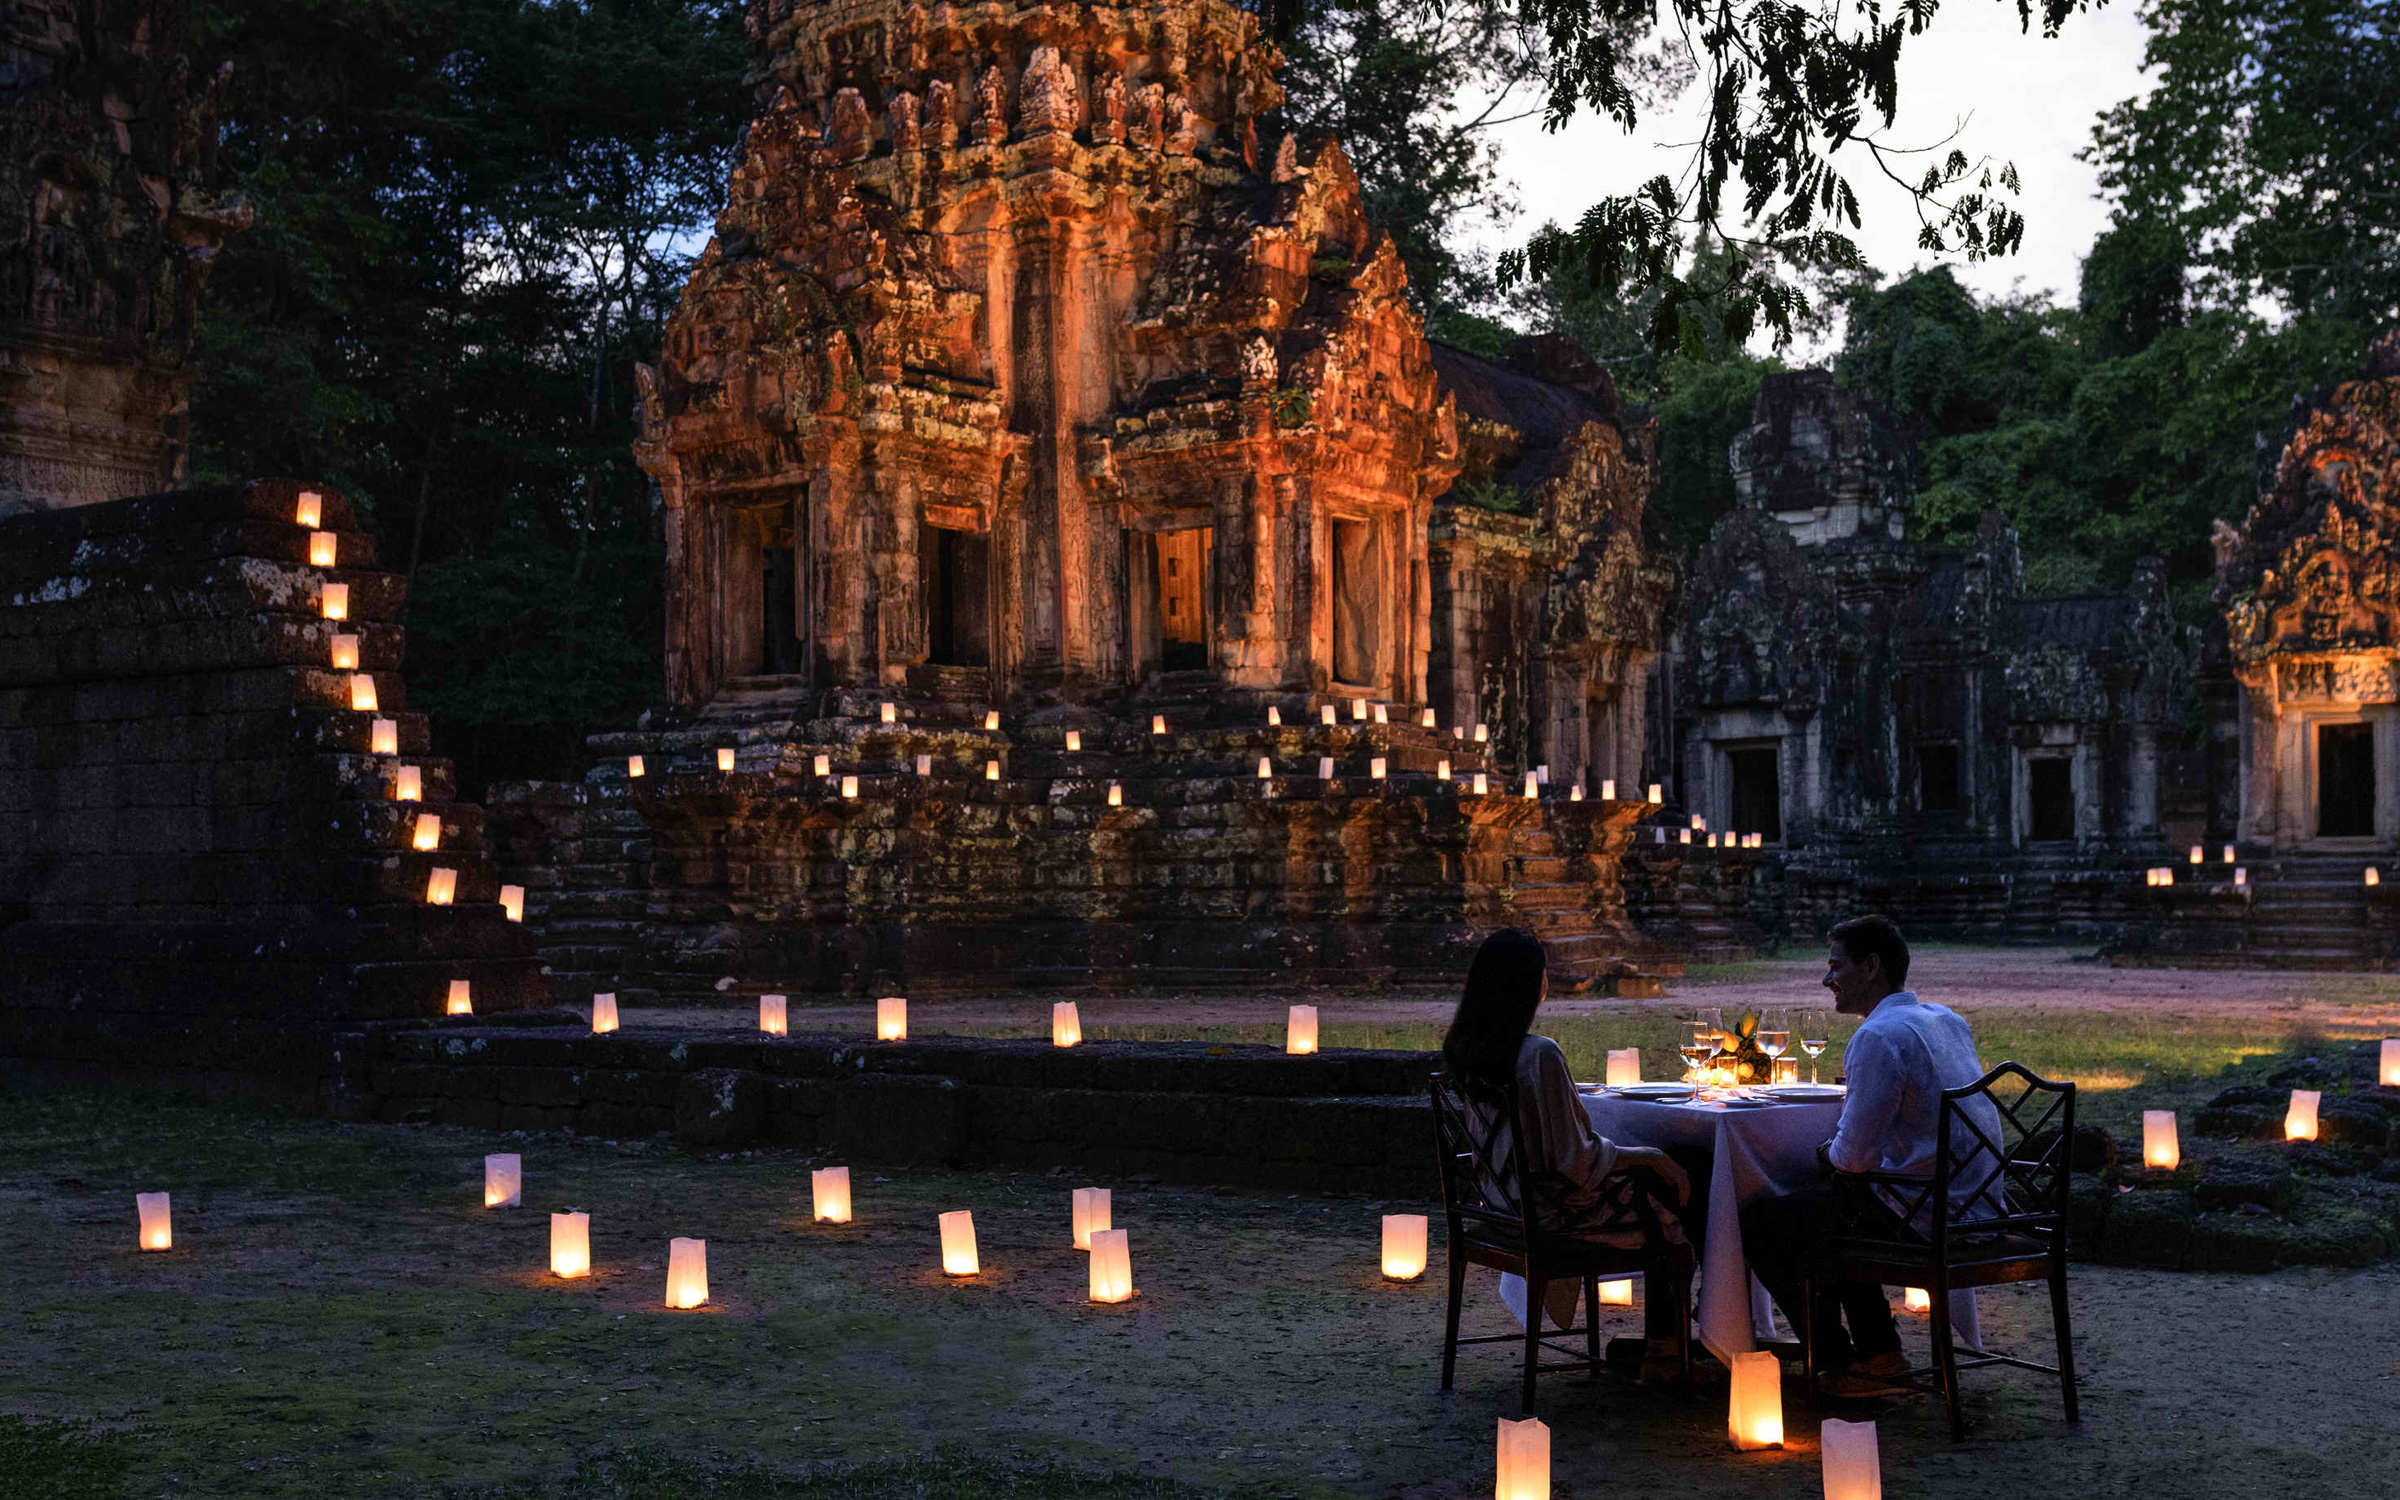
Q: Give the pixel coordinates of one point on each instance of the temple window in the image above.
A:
(1937, 778)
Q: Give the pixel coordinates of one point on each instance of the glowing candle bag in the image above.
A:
(461, 1001)
(829, 1193)
(362, 692)
(311, 510)
(2300, 1120)
(1066, 1027)
(1754, 1414)
(604, 1012)
(2387, 1062)
(504, 1180)
(1608, 791)
(634, 767)
(1300, 1030)
(850, 786)
(383, 737)
(1616, 1294)
(1116, 795)
(570, 1246)
(1624, 1066)
(958, 1244)
(687, 1272)
(772, 1015)
(345, 653)
(891, 1019)
(321, 549)
(1403, 1246)
(512, 902)
(441, 887)
(1111, 1266)
(1916, 1299)
(1524, 1467)
(1266, 769)
(1091, 1215)
(991, 719)
(1158, 723)
(158, 1222)
(725, 760)
(333, 601)
(2161, 1152)
(1853, 1467)
(1074, 739)
(428, 832)
(408, 784)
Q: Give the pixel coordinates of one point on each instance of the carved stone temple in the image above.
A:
(1030, 375)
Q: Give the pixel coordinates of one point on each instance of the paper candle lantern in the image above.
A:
(1091, 1215)
(1483, 735)
(1375, 768)
(1158, 723)
(1699, 823)
(633, 766)
(1624, 1066)
(2161, 1152)
(333, 599)
(891, 1019)
(958, 1244)
(1325, 768)
(1111, 1266)
(311, 510)
(1300, 1030)
(773, 1017)
(408, 784)
(321, 549)
(889, 712)
(2229, 854)
(829, 1195)
(1481, 786)
(850, 787)
(1533, 788)
(1266, 769)
(1658, 835)
(1382, 715)
(441, 886)
(504, 1180)
(1116, 795)
(2300, 1120)
(1066, 1027)
(725, 757)
(2241, 877)
(570, 1246)
(362, 692)
(1575, 792)
(461, 999)
(2150, 876)
(1712, 841)
(1916, 1299)
(1441, 768)
(2374, 876)
(1616, 1293)
(924, 765)
(1754, 1415)
(991, 770)
(345, 653)
(1541, 773)
(687, 1273)
(383, 737)
(2166, 875)
(1683, 835)
(991, 720)
(822, 765)
(1654, 793)
(512, 902)
(2387, 1062)
(1853, 1469)
(1524, 1461)
(2198, 854)
(1274, 716)
(1458, 732)
(1403, 1246)
(158, 1222)
(604, 1012)
(1074, 739)
(1426, 719)
(1358, 710)
(428, 832)
(1608, 791)
(1325, 715)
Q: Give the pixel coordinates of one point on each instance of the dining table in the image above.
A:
(1759, 1144)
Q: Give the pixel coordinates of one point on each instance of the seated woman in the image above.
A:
(1583, 1184)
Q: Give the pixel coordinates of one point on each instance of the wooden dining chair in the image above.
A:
(1486, 1183)
(2008, 1224)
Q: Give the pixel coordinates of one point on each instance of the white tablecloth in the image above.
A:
(1762, 1150)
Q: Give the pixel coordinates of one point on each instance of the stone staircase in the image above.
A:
(2310, 912)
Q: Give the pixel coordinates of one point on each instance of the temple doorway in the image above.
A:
(780, 634)
(955, 571)
(2050, 798)
(1184, 559)
(1756, 805)
(2345, 781)
(1354, 598)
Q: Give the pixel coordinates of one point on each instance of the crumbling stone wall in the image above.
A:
(203, 870)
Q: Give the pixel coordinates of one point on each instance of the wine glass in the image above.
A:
(1774, 1036)
(1708, 1036)
(1816, 1030)
(1697, 1045)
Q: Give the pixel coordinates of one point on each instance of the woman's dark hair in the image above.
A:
(1504, 985)
(1877, 936)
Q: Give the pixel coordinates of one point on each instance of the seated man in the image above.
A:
(1904, 1053)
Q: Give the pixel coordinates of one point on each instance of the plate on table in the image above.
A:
(1744, 1101)
(1804, 1090)
(1668, 1092)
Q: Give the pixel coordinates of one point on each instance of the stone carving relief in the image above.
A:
(941, 112)
(903, 122)
(851, 133)
(1148, 128)
(1046, 96)
(1108, 122)
(991, 107)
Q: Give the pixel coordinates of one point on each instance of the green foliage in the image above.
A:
(60, 1461)
(1492, 495)
(2269, 144)
(464, 242)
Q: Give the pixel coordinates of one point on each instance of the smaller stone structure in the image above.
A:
(204, 870)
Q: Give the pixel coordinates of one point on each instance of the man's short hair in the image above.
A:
(1879, 936)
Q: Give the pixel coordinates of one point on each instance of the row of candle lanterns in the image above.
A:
(1850, 1455)
(891, 1020)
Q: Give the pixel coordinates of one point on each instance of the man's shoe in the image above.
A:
(1876, 1376)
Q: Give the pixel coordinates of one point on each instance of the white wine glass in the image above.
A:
(1774, 1036)
(1816, 1031)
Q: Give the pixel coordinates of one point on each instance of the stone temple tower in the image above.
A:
(1021, 369)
